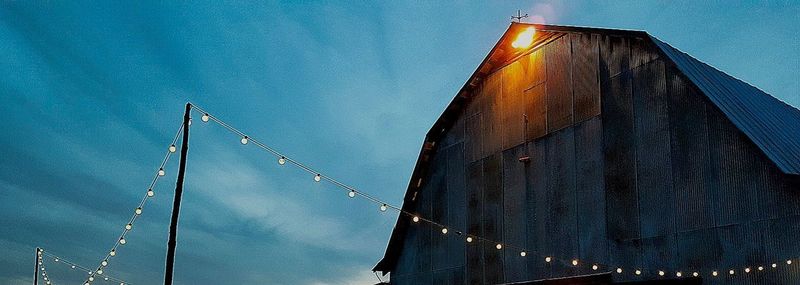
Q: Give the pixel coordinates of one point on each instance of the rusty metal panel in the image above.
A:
(457, 202)
(493, 217)
(619, 158)
(473, 145)
(615, 56)
(690, 155)
(537, 207)
(513, 107)
(514, 212)
(733, 171)
(585, 77)
(474, 250)
(559, 83)
(562, 222)
(536, 68)
(652, 138)
(492, 114)
(591, 205)
(536, 111)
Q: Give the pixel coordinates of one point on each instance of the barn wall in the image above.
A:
(629, 165)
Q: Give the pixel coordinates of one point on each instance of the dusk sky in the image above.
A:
(93, 92)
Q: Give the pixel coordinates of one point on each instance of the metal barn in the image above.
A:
(607, 156)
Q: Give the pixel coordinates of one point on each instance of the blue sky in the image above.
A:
(92, 92)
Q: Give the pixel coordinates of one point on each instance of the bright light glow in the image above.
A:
(150, 193)
(415, 219)
(522, 253)
(499, 246)
(678, 274)
(317, 177)
(594, 267)
(774, 265)
(731, 272)
(204, 118)
(104, 263)
(714, 273)
(244, 140)
(760, 268)
(619, 270)
(128, 227)
(112, 253)
(444, 230)
(747, 270)
(469, 239)
(121, 241)
(548, 259)
(638, 272)
(100, 271)
(695, 274)
(73, 267)
(660, 273)
(138, 211)
(161, 172)
(789, 261)
(56, 259)
(575, 262)
(282, 160)
(351, 194)
(91, 278)
(525, 38)
(106, 279)
(383, 208)
(172, 148)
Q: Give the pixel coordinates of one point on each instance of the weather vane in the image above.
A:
(519, 16)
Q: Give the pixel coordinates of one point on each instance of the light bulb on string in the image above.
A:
(73, 267)
(444, 230)
(351, 194)
(383, 208)
(104, 263)
(244, 140)
(638, 272)
(105, 278)
(282, 160)
(523, 253)
(91, 278)
(469, 239)
(548, 259)
(747, 270)
(56, 259)
(678, 274)
(415, 219)
(731, 272)
(161, 172)
(619, 270)
(574, 262)
(121, 241)
(113, 253)
(695, 274)
(138, 211)
(100, 271)
(172, 148)
(499, 246)
(714, 273)
(128, 227)
(150, 193)
(661, 273)
(317, 177)
(760, 268)
(204, 118)
(788, 262)
(774, 265)
(594, 267)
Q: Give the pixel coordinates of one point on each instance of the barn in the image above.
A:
(580, 155)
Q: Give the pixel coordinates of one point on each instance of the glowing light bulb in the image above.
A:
(91, 278)
(619, 270)
(150, 193)
(351, 194)
(100, 271)
(104, 263)
(523, 253)
(524, 39)
(594, 267)
(574, 262)
(774, 265)
(244, 140)
(638, 272)
(548, 259)
(282, 160)
(204, 118)
(747, 270)
(660, 273)
(789, 262)
(731, 272)
(73, 267)
(112, 253)
(128, 227)
(469, 239)
(415, 219)
(106, 278)
(121, 241)
(161, 172)
(317, 177)
(678, 274)
(56, 259)
(714, 273)
(499, 246)
(172, 148)
(760, 268)
(383, 208)
(444, 230)
(695, 274)
(138, 211)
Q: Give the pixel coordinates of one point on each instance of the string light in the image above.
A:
(619, 270)
(695, 274)
(678, 274)
(282, 160)
(714, 273)
(661, 273)
(112, 253)
(574, 262)
(104, 263)
(317, 177)
(469, 239)
(594, 267)
(150, 193)
(548, 259)
(789, 262)
(128, 227)
(761, 268)
(499, 246)
(731, 272)
(638, 272)
(204, 118)
(121, 241)
(352, 194)
(161, 172)
(444, 231)
(244, 140)
(138, 211)
(415, 219)
(383, 208)
(172, 148)
(774, 265)
(523, 253)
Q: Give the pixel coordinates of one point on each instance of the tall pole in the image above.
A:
(176, 204)
(36, 266)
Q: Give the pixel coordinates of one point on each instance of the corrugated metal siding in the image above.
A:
(767, 121)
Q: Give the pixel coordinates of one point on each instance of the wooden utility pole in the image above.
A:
(36, 266)
(176, 205)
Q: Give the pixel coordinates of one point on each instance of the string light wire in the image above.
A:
(73, 266)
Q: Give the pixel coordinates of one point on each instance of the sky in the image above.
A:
(91, 94)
